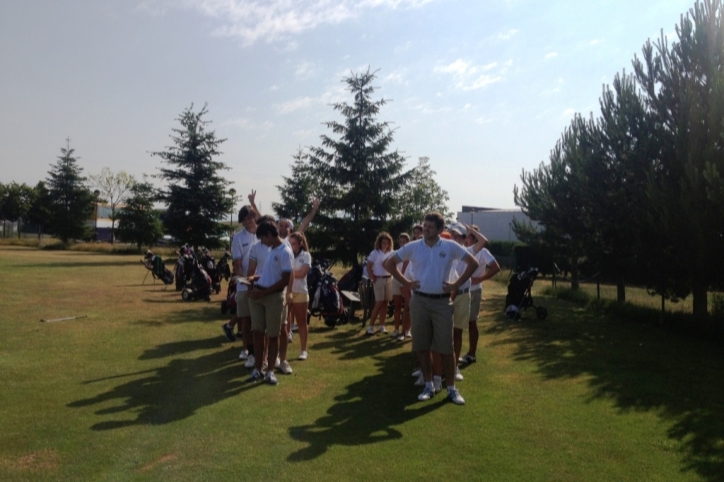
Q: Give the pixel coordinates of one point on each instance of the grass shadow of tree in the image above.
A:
(638, 367)
(172, 392)
(370, 408)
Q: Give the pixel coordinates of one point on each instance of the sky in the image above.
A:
(483, 88)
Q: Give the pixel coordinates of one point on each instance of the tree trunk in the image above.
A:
(620, 290)
(574, 275)
(699, 292)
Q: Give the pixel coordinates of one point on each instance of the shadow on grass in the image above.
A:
(638, 367)
(370, 408)
(175, 391)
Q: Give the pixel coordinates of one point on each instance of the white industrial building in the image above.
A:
(495, 224)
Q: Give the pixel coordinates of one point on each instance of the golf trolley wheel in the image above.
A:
(541, 313)
(186, 295)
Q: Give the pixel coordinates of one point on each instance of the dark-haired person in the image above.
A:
(430, 307)
(241, 245)
(298, 292)
(267, 299)
(381, 281)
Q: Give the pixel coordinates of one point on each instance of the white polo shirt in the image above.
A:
(485, 258)
(431, 265)
(241, 245)
(377, 258)
(300, 261)
(259, 253)
(278, 260)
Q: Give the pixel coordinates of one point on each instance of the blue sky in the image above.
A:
(483, 88)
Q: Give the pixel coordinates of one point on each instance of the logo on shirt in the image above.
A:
(442, 255)
(276, 258)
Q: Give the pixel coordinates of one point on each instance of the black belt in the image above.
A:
(259, 287)
(383, 277)
(431, 296)
(462, 292)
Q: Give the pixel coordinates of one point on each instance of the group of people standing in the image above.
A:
(434, 279)
(270, 263)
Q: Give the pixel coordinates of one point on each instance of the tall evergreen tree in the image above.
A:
(556, 195)
(298, 189)
(683, 83)
(71, 200)
(619, 205)
(138, 222)
(361, 177)
(196, 193)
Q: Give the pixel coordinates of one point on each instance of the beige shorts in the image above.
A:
(300, 298)
(242, 304)
(461, 316)
(475, 298)
(396, 288)
(432, 324)
(383, 289)
(268, 314)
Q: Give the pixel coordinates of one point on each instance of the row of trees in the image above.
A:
(637, 193)
(361, 182)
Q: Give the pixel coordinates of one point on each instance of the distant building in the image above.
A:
(495, 224)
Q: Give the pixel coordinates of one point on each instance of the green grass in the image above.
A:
(146, 388)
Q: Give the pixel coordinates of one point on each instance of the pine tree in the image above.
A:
(138, 222)
(360, 177)
(196, 193)
(71, 201)
(298, 190)
(684, 83)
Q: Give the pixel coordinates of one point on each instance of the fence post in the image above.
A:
(598, 285)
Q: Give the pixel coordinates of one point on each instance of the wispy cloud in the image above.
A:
(330, 96)
(469, 76)
(596, 41)
(249, 125)
(304, 71)
(551, 55)
(508, 35)
(270, 20)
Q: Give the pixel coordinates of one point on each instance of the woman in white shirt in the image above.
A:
(298, 293)
(381, 279)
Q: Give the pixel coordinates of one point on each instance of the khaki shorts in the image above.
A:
(475, 298)
(461, 305)
(300, 298)
(432, 324)
(383, 289)
(268, 314)
(242, 304)
(396, 288)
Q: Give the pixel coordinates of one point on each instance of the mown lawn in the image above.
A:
(146, 388)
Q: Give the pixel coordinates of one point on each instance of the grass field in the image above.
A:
(146, 388)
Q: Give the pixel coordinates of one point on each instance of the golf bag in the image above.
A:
(229, 304)
(325, 298)
(199, 284)
(154, 263)
(519, 297)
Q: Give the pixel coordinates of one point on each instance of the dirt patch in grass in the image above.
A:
(45, 460)
(159, 461)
